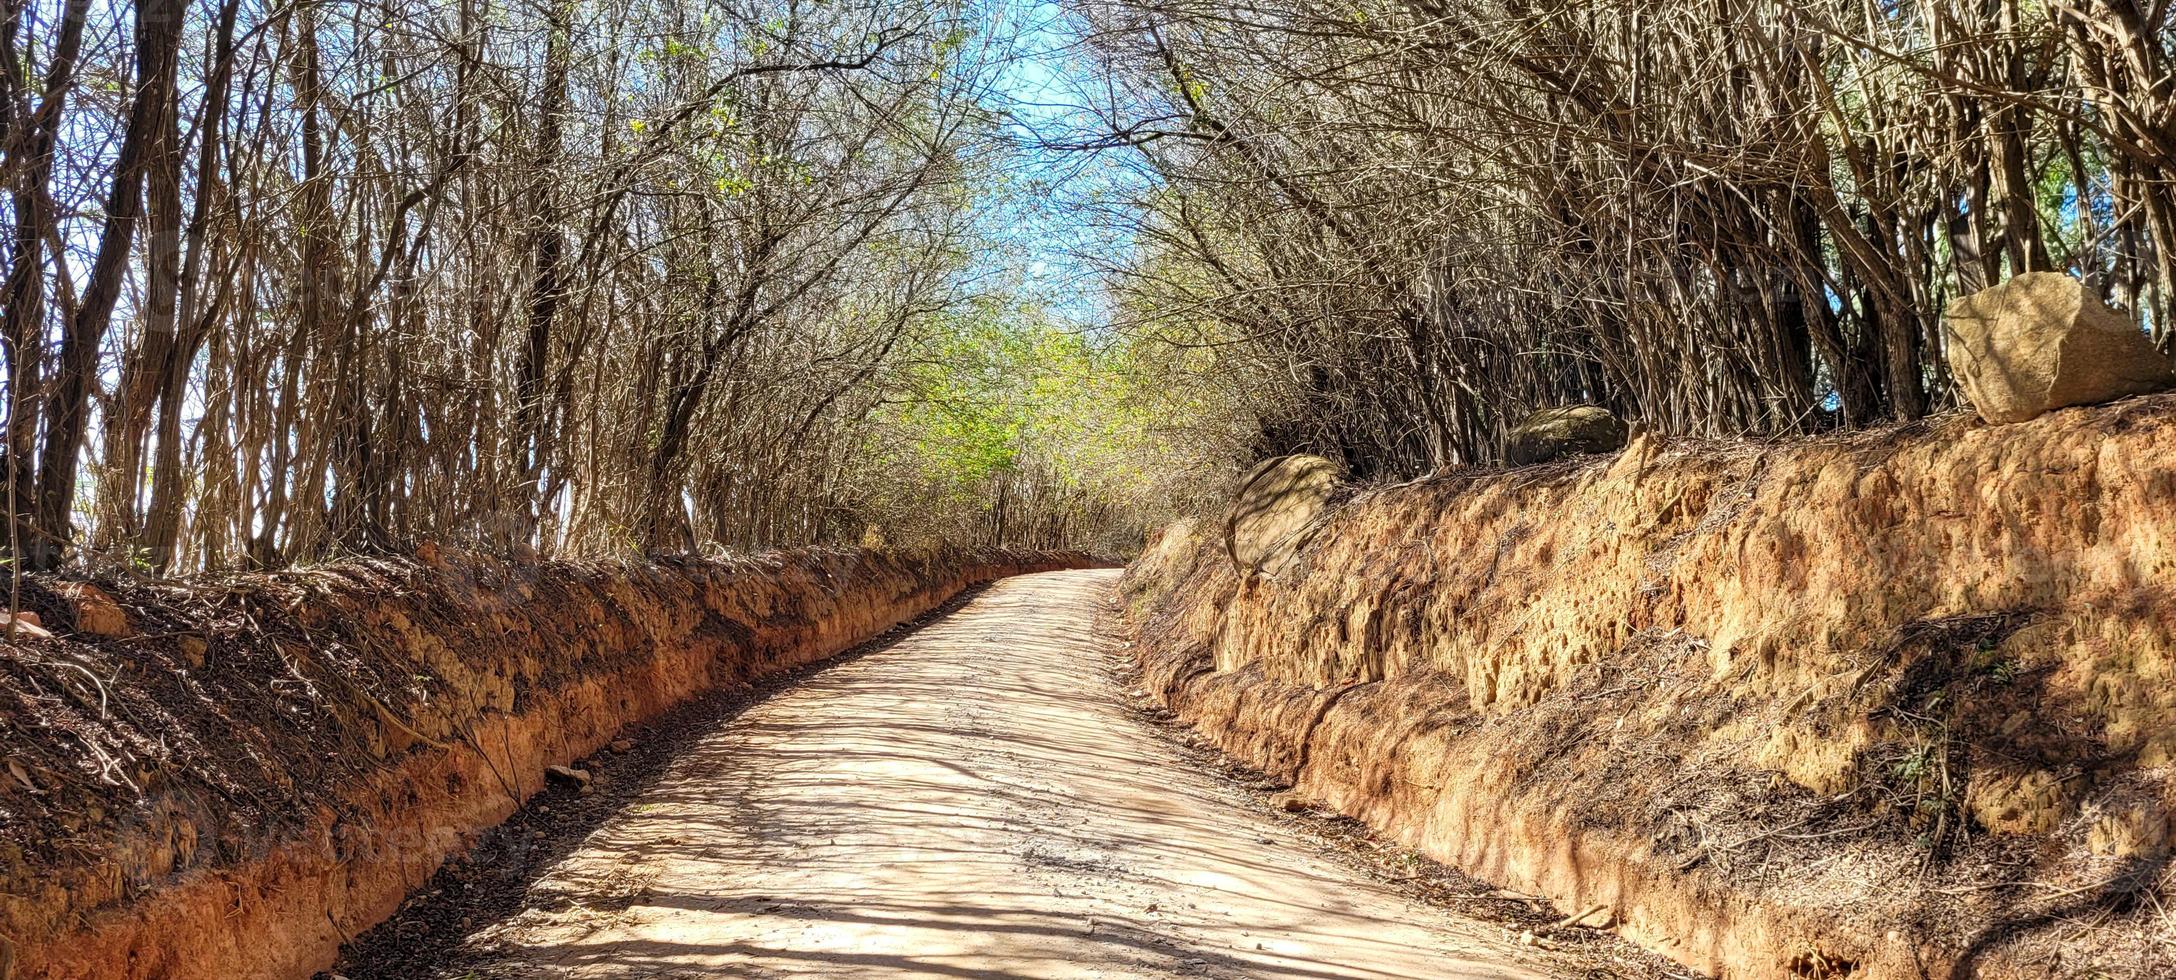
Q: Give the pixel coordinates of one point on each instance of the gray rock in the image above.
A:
(1275, 506)
(1552, 433)
(2043, 341)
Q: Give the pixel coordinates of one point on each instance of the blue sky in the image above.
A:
(1044, 90)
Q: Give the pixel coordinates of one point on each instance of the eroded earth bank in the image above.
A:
(226, 779)
(1893, 704)
(1883, 705)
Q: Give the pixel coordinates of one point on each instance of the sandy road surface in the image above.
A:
(974, 801)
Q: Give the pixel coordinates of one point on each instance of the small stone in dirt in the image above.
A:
(579, 777)
(26, 624)
(621, 746)
(1289, 803)
(587, 790)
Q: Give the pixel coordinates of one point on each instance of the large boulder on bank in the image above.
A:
(1275, 505)
(2043, 341)
(1556, 432)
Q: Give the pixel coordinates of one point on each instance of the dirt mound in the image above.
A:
(1893, 704)
(224, 779)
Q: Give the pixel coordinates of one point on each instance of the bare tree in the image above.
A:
(1425, 217)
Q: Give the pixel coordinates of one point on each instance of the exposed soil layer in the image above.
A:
(1581, 945)
(225, 779)
(1891, 704)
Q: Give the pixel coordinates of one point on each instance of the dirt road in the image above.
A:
(974, 801)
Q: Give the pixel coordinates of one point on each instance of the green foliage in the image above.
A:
(1003, 388)
(1008, 402)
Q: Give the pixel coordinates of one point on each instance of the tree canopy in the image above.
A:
(289, 281)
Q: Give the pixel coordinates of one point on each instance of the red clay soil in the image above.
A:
(1892, 704)
(225, 779)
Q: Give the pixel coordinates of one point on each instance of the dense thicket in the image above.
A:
(285, 280)
(1411, 221)
(290, 279)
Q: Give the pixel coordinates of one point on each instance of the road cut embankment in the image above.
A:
(1897, 704)
(225, 779)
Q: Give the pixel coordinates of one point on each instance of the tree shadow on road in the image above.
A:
(491, 883)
